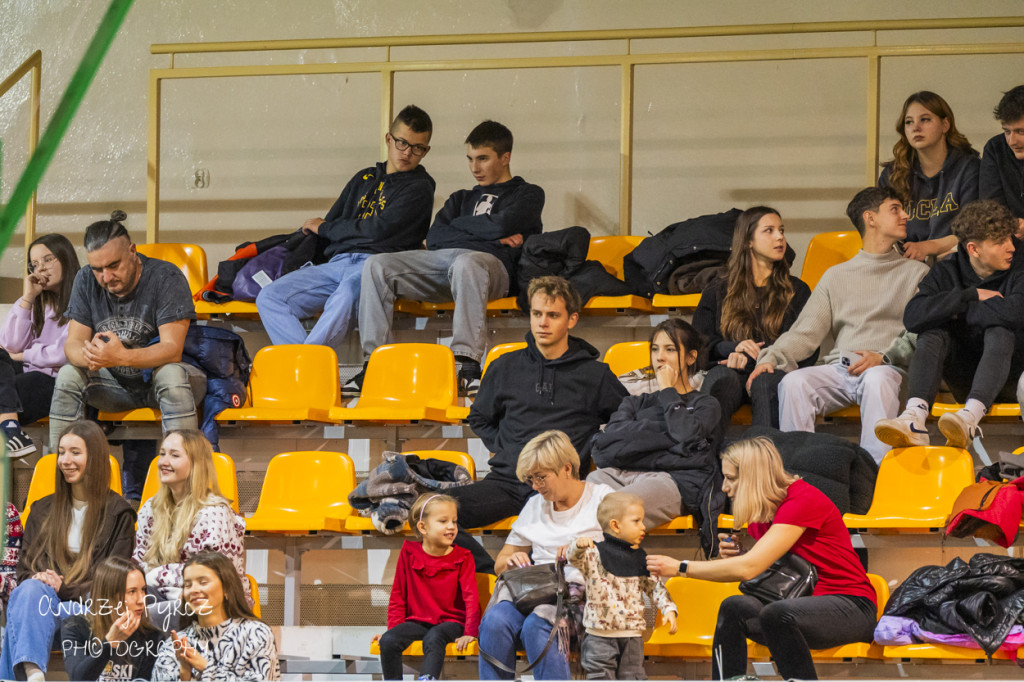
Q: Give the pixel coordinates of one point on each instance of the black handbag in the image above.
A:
(530, 586)
(789, 577)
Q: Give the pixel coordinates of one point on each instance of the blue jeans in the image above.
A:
(34, 615)
(503, 629)
(331, 289)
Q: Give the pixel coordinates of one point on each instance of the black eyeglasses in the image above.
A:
(44, 262)
(401, 145)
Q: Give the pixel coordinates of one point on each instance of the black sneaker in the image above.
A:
(354, 387)
(468, 375)
(19, 444)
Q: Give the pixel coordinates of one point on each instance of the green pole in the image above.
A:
(62, 117)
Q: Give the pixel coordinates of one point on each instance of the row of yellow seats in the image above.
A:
(693, 640)
(825, 250)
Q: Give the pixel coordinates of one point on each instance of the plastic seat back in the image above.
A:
(627, 356)
(453, 456)
(295, 376)
(828, 249)
(254, 590)
(881, 592)
(920, 482)
(500, 350)
(43, 481)
(190, 259)
(226, 479)
(698, 602)
(410, 375)
(304, 486)
(611, 250)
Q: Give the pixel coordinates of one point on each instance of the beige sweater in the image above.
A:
(861, 303)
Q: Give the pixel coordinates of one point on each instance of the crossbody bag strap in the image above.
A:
(560, 608)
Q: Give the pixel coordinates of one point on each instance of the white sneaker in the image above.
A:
(902, 432)
(958, 430)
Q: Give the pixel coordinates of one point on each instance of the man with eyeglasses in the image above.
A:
(382, 209)
(472, 251)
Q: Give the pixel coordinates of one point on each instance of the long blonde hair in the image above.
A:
(762, 480)
(172, 522)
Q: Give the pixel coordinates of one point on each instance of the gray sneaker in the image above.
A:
(901, 432)
(958, 431)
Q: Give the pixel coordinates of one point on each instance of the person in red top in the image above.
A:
(784, 514)
(434, 596)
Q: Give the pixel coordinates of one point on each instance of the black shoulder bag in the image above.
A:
(789, 577)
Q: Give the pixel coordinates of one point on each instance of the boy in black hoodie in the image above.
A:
(383, 208)
(969, 316)
(556, 382)
(472, 251)
(1002, 166)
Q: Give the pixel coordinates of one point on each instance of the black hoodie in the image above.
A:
(1002, 176)
(478, 218)
(380, 212)
(523, 394)
(948, 298)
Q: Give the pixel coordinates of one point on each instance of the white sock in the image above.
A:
(918, 408)
(35, 674)
(975, 409)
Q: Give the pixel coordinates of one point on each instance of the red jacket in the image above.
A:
(435, 589)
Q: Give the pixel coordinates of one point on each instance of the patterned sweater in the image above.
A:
(235, 650)
(615, 606)
(8, 579)
(216, 527)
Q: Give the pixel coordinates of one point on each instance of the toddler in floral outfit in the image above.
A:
(617, 578)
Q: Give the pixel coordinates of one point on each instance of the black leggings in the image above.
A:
(729, 387)
(485, 502)
(435, 638)
(790, 629)
(26, 393)
(984, 366)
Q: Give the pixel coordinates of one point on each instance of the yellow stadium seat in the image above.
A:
(484, 586)
(140, 414)
(627, 356)
(405, 382)
(997, 411)
(362, 524)
(679, 524)
(190, 259)
(226, 479)
(44, 481)
(610, 251)
(915, 489)
(254, 590)
(305, 492)
(500, 350)
(675, 302)
(828, 249)
(290, 383)
(845, 652)
(698, 602)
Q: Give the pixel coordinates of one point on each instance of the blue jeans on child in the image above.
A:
(34, 615)
(330, 290)
(503, 628)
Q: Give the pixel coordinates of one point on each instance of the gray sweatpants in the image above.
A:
(613, 658)
(470, 278)
(662, 501)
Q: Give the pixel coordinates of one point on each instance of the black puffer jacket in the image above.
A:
(677, 434)
(983, 598)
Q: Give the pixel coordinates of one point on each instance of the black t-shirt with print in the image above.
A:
(161, 296)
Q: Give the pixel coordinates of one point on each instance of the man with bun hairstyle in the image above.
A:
(127, 320)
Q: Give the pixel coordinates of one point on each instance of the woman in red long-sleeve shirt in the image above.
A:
(434, 596)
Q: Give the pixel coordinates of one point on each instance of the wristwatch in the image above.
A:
(683, 566)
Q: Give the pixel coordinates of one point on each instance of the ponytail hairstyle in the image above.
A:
(56, 301)
(101, 232)
(901, 168)
(746, 312)
(50, 549)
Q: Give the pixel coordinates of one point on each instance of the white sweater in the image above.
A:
(860, 302)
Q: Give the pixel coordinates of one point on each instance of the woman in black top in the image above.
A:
(746, 309)
(113, 641)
